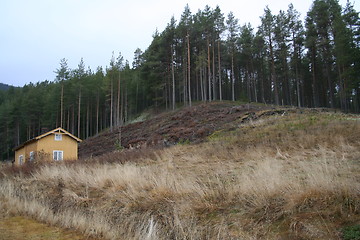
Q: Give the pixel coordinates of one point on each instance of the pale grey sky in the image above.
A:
(36, 34)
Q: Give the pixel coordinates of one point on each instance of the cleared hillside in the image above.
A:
(186, 125)
(270, 173)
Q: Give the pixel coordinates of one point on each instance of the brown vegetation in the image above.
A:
(169, 128)
(19, 228)
(269, 174)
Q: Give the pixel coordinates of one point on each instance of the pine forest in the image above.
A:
(204, 56)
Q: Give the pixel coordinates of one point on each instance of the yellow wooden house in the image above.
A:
(55, 145)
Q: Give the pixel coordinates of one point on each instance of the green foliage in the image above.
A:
(216, 135)
(118, 145)
(351, 232)
(4, 87)
(183, 141)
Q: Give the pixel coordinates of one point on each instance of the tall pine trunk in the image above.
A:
(232, 78)
(173, 78)
(330, 86)
(213, 70)
(17, 136)
(209, 70)
(87, 119)
(273, 73)
(185, 75)
(314, 87)
(189, 73)
(68, 120)
(123, 105)
(297, 73)
(111, 104)
(297, 85)
(219, 67)
(62, 105)
(79, 112)
(97, 113)
(253, 78)
(118, 106)
(201, 84)
(73, 119)
(248, 82)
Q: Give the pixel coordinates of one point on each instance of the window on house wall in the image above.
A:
(32, 156)
(58, 155)
(58, 137)
(21, 159)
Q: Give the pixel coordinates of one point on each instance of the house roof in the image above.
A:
(57, 130)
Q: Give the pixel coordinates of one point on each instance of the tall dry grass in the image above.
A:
(247, 184)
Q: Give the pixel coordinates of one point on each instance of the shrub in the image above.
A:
(351, 232)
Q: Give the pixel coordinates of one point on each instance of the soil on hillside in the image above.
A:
(191, 124)
(21, 228)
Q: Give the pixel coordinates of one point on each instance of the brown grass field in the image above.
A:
(283, 176)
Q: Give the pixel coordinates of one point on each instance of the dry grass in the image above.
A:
(19, 227)
(281, 177)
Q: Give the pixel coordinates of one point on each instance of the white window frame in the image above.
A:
(21, 159)
(58, 155)
(58, 137)
(32, 156)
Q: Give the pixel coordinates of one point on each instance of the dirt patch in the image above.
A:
(21, 228)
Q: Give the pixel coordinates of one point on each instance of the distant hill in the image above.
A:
(4, 86)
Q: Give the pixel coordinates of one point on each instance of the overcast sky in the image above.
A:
(36, 34)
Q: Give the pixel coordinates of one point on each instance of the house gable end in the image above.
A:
(61, 131)
(68, 145)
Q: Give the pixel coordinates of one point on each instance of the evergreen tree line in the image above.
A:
(206, 56)
(286, 61)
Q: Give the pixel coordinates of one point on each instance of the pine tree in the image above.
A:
(267, 29)
(79, 76)
(219, 28)
(232, 28)
(246, 41)
(62, 75)
(185, 24)
(296, 44)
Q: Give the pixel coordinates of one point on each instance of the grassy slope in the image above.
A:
(293, 175)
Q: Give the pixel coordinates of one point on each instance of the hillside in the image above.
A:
(252, 172)
(182, 126)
